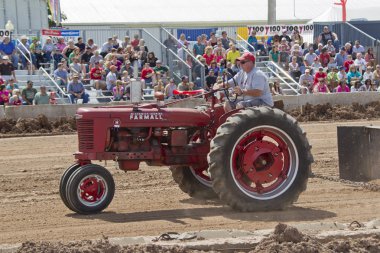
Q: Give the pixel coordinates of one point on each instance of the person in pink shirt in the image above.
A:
(342, 87)
(321, 87)
(4, 95)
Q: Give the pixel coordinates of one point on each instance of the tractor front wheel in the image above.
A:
(259, 160)
(62, 184)
(90, 189)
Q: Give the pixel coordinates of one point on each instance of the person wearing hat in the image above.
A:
(61, 75)
(8, 48)
(306, 81)
(252, 85)
(47, 49)
(6, 68)
(41, 98)
(76, 90)
(163, 70)
(28, 93)
(24, 47)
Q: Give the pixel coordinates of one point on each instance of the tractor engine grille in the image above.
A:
(85, 130)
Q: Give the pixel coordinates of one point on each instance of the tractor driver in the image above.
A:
(251, 84)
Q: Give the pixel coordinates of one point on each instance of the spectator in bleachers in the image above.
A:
(355, 86)
(8, 48)
(198, 48)
(306, 80)
(348, 63)
(310, 57)
(286, 36)
(118, 91)
(213, 40)
(324, 57)
(232, 55)
(95, 58)
(210, 80)
(111, 77)
(114, 61)
(318, 51)
(284, 50)
(330, 48)
(331, 65)
(276, 88)
(7, 69)
(97, 76)
(147, 75)
(225, 40)
(86, 57)
(36, 50)
(274, 55)
(41, 98)
(90, 43)
(214, 67)
(12, 85)
(326, 35)
(127, 67)
(68, 49)
(61, 75)
(294, 69)
(60, 45)
(1, 80)
(252, 40)
(184, 85)
(169, 88)
(319, 75)
(297, 37)
(16, 98)
(47, 49)
(341, 57)
(360, 63)
(24, 47)
(353, 75)
(219, 47)
(218, 55)
(28, 93)
(142, 56)
(332, 79)
(342, 75)
(262, 47)
(357, 48)
(321, 86)
(115, 41)
(376, 75)
(163, 70)
(81, 45)
(142, 44)
(348, 47)
(106, 47)
(367, 86)
(160, 87)
(135, 42)
(342, 86)
(4, 95)
(57, 57)
(368, 74)
(77, 68)
(370, 57)
(151, 59)
(126, 42)
(171, 44)
(316, 65)
(74, 54)
(208, 55)
(52, 99)
(76, 90)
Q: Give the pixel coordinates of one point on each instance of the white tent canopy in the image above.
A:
(212, 11)
(335, 14)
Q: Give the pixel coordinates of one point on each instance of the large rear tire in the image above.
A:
(196, 183)
(259, 160)
(90, 189)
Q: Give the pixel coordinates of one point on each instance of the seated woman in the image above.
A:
(118, 91)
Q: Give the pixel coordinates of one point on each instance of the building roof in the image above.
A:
(168, 12)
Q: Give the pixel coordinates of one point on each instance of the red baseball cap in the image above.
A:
(247, 57)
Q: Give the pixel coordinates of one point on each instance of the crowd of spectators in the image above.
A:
(321, 67)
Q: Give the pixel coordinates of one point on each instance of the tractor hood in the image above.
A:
(146, 117)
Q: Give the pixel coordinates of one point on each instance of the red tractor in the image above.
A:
(253, 159)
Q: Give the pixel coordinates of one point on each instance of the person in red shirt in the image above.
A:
(348, 63)
(324, 57)
(147, 75)
(135, 42)
(96, 75)
(209, 56)
(318, 75)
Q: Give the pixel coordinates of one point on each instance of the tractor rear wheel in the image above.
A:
(196, 183)
(90, 189)
(62, 184)
(259, 160)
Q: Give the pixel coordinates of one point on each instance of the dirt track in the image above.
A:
(147, 202)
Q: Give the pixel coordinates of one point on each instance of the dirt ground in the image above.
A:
(148, 202)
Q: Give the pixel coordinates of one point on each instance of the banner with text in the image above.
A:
(270, 30)
(55, 34)
(4, 32)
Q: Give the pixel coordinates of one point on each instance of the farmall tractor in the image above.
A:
(252, 159)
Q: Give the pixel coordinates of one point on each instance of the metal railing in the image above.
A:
(197, 64)
(246, 43)
(61, 94)
(268, 63)
(30, 66)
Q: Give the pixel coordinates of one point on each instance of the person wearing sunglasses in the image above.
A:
(250, 84)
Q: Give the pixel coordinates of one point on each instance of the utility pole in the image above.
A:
(271, 12)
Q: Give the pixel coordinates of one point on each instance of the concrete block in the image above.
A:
(2, 112)
(358, 152)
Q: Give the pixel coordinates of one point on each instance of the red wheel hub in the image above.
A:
(260, 161)
(92, 189)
